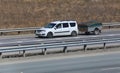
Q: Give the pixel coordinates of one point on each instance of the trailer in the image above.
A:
(90, 27)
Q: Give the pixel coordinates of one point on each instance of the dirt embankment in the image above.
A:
(33, 13)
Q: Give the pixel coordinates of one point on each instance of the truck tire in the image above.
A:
(74, 33)
(96, 31)
(50, 35)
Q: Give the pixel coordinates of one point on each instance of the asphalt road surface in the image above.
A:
(107, 63)
(16, 40)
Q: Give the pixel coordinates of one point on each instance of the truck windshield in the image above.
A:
(50, 25)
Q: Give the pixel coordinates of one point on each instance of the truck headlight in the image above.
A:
(43, 31)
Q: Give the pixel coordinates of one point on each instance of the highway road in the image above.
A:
(15, 40)
(103, 63)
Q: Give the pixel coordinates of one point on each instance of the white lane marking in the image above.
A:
(19, 41)
(111, 68)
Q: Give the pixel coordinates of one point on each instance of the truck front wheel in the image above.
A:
(49, 35)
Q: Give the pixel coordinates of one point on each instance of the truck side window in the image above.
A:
(58, 26)
(65, 25)
(72, 24)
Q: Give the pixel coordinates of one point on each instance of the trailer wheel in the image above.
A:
(96, 31)
(74, 33)
(87, 33)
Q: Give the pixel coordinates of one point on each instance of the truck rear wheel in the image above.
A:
(74, 33)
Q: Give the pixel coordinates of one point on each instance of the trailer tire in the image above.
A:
(87, 33)
(96, 31)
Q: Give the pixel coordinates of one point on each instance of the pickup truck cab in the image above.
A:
(58, 28)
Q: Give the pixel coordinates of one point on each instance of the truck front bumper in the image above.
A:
(41, 34)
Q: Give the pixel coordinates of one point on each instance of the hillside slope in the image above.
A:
(32, 13)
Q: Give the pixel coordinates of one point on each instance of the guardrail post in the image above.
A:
(42, 50)
(19, 52)
(109, 27)
(45, 51)
(18, 32)
(85, 47)
(0, 54)
(1, 33)
(104, 46)
(65, 49)
(19, 46)
(23, 53)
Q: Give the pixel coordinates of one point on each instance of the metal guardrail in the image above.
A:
(112, 24)
(63, 44)
(57, 40)
(18, 29)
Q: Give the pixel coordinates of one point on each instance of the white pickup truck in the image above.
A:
(64, 28)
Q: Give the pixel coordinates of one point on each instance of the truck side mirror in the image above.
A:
(55, 28)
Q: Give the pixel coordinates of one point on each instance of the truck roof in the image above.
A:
(57, 22)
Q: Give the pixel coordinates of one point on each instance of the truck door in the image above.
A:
(58, 30)
(66, 29)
